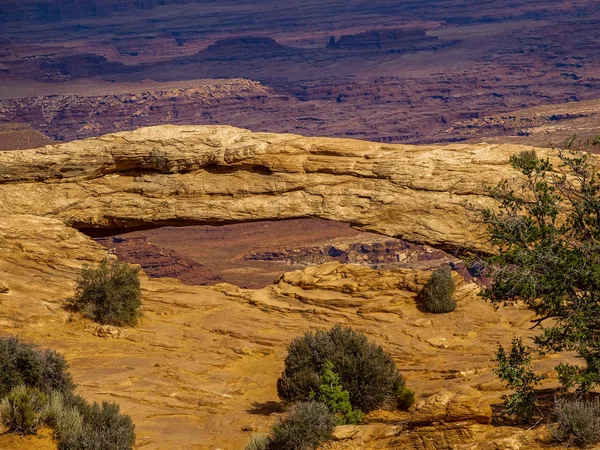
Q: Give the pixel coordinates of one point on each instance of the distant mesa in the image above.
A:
(390, 39)
(249, 47)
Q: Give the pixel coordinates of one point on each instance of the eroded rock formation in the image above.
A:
(201, 368)
(211, 175)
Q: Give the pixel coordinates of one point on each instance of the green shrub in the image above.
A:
(438, 293)
(38, 389)
(103, 428)
(109, 294)
(405, 398)
(337, 400)
(22, 411)
(258, 442)
(577, 422)
(23, 363)
(515, 370)
(365, 370)
(65, 419)
(307, 425)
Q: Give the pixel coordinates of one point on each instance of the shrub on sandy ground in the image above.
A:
(109, 294)
(24, 363)
(65, 419)
(438, 293)
(103, 428)
(22, 410)
(405, 398)
(36, 389)
(577, 422)
(366, 371)
(258, 442)
(307, 425)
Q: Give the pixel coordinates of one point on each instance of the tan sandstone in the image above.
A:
(200, 370)
(219, 174)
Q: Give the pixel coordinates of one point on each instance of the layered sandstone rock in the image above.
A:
(212, 175)
(200, 370)
(201, 367)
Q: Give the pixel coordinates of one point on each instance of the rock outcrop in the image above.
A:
(214, 175)
(448, 407)
(201, 367)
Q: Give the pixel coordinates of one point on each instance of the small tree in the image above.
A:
(515, 369)
(110, 293)
(546, 231)
(438, 293)
(336, 398)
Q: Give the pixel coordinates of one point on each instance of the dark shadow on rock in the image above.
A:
(267, 408)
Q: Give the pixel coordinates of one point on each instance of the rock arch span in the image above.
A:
(178, 175)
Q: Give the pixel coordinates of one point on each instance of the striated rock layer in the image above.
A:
(214, 175)
(200, 369)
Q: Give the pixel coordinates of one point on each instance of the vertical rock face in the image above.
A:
(211, 175)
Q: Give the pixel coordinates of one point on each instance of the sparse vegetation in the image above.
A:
(103, 428)
(404, 398)
(23, 363)
(438, 293)
(546, 231)
(365, 370)
(109, 294)
(307, 425)
(37, 389)
(258, 442)
(22, 410)
(515, 369)
(577, 422)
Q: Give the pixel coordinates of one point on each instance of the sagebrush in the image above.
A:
(38, 390)
(577, 421)
(109, 294)
(23, 409)
(24, 363)
(307, 425)
(438, 293)
(366, 371)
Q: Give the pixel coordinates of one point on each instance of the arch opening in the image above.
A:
(255, 254)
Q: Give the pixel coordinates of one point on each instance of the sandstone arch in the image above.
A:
(181, 175)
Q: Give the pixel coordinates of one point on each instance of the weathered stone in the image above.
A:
(345, 432)
(4, 287)
(464, 405)
(211, 175)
